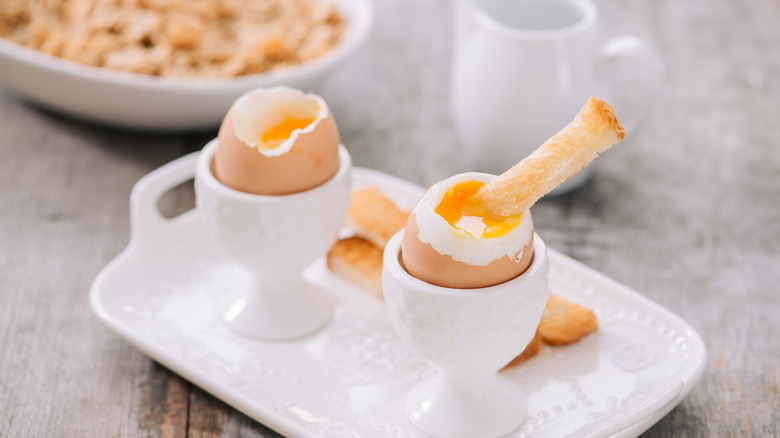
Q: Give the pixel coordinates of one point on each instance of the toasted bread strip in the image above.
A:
(530, 351)
(594, 130)
(564, 322)
(374, 217)
(359, 261)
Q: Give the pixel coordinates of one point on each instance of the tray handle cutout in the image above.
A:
(146, 221)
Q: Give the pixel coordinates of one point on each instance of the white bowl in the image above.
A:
(148, 102)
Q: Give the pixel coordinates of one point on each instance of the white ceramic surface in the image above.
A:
(521, 70)
(146, 102)
(467, 336)
(274, 238)
(164, 292)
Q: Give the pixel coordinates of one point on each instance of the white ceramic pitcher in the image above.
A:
(523, 68)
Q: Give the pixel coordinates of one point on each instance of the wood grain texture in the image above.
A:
(686, 212)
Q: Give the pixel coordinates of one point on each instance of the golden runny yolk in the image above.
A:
(461, 211)
(272, 138)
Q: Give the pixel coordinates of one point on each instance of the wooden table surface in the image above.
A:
(687, 212)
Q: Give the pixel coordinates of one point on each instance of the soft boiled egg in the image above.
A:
(450, 241)
(277, 141)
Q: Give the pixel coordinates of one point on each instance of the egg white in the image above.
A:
(260, 109)
(458, 244)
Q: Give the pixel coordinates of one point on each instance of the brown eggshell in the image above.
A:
(313, 159)
(423, 262)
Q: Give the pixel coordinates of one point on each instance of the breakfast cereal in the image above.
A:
(175, 38)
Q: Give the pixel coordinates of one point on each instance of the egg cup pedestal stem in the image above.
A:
(443, 407)
(467, 336)
(279, 308)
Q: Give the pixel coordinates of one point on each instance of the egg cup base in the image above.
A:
(290, 312)
(466, 335)
(438, 408)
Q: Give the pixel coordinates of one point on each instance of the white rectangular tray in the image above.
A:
(163, 294)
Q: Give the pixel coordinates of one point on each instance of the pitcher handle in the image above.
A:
(632, 114)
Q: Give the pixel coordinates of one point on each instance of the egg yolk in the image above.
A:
(461, 211)
(273, 137)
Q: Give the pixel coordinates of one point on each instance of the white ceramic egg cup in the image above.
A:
(274, 238)
(467, 335)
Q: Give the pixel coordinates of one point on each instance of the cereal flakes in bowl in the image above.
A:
(170, 64)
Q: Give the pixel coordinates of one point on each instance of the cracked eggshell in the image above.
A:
(435, 252)
(306, 159)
